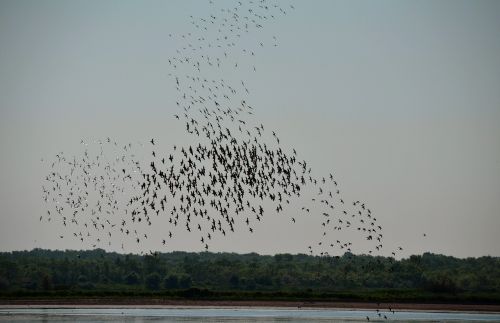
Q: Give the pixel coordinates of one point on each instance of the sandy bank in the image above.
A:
(166, 303)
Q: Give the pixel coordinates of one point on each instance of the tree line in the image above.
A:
(96, 271)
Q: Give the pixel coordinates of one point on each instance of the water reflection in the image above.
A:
(83, 315)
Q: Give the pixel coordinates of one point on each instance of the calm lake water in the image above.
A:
(80, 315)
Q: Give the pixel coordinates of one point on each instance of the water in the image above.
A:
(178, 314)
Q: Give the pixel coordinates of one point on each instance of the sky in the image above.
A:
(400, 99)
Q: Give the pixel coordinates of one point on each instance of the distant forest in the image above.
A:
(208, 275)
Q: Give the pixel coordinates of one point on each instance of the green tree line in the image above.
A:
(97, 271)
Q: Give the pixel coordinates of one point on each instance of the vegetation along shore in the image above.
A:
(427, 281)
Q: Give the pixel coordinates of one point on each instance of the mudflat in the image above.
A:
(106, 302)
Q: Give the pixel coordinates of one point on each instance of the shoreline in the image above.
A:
(166, 303)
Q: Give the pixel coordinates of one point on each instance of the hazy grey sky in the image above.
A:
(401, 99)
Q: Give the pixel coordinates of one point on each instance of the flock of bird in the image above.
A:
(233, 175)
